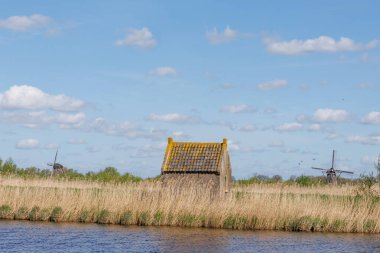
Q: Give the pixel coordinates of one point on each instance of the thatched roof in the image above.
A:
(193, 157)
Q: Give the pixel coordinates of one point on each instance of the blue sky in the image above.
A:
(109, 81)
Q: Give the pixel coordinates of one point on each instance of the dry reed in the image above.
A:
(257, 206)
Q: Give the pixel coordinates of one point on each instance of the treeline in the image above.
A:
(302, 180)
(109, 174)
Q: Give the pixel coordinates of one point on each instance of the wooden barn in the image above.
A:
(198, 163)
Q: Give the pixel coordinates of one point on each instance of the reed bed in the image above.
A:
(257, 206)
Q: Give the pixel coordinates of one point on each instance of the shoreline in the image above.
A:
(185, 227)
(253, 207)
(180, 227)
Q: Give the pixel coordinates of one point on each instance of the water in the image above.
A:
(25, 236)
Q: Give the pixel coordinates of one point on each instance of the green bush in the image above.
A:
(9, 167)
(108, 174)
(229, 222)
(304, 223)
(157, 218)
(319, 224)
(84, 216)
(44, 214)
(22, 214)
(186, 220)
(127, 177)
(6, 212)
(305, 181)
(338, 225)
(34, 213)
(257, 179)
(365, 186)
(103, 217)
(239, 222)
(143, 219)
(56, 214)
(126, 218)
(170, 218)
(370, 226)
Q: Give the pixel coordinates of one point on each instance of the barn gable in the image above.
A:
(207, 160)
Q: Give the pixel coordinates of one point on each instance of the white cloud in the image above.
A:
(37, 119)
(330, 115)
(179, 135)
(51, 146)
(290, 150)
(241, 108)
(332, 136)
(171, 117)
(276, 144)
(139, 38)
(67, 120)
(372, 44)
(24, 23)
(163, 71)
(29, 97)
(75, 141)
(223, 123)
(363, 86)
(371, 118)
(301, 118)
(232, 146)
(320, 44)
(123, 146)
(93, 149)
(215, 37)
(27, 144)
(368, 140)
(150, 150)
(270, 110)
(271, 85)
(315, 127)
(289, 127)
(126, 129)
(248, 128)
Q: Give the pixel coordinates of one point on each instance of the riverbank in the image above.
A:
(25, 236)
(253, 207)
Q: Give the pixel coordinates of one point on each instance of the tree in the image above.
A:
(377, 167)
(108, 174)
(9, 167)
(277, 178)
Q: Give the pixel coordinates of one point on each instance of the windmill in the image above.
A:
(57, 167)
(332, 174)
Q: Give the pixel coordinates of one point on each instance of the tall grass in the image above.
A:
(257, 206)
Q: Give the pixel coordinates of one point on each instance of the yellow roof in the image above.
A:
(193, 157)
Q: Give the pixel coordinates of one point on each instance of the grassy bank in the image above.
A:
(256, 206)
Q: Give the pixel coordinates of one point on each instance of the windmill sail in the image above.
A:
(55, 159)
(333, 159)
(344, 171)
(314, 168)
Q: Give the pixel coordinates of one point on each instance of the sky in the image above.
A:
(107, 82)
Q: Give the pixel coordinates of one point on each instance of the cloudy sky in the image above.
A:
(109, 81)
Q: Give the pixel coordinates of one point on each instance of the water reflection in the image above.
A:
(24, 236)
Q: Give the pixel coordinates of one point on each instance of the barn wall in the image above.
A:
(210, 181)
(225, 174)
